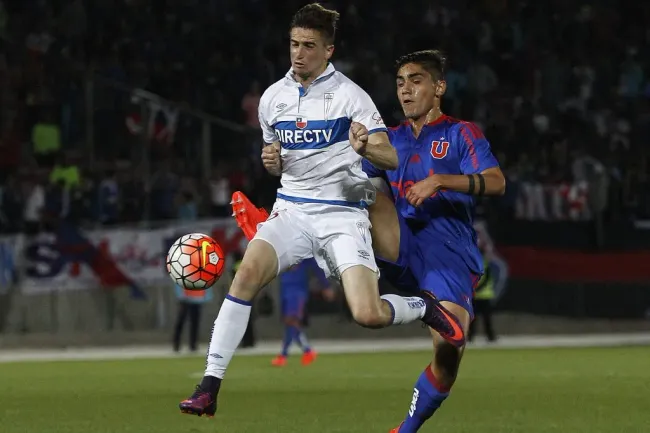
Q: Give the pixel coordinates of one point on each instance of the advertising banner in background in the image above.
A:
(72, 259)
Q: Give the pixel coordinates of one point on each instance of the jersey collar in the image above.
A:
(328, 72)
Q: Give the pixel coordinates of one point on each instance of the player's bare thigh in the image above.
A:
(279, 243)
(343, 248)
(258, 268)
(385, 230)
(362, 294)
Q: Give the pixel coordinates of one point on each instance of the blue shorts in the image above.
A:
(293, 304)
(431, 266)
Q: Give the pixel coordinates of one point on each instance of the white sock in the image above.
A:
(302, 341)
(405, 309)
(228, 330)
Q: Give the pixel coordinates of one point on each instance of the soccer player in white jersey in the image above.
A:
(312, 117)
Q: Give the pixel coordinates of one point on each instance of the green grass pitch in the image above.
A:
(604, 390)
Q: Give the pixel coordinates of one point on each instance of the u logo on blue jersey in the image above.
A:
(439, 149)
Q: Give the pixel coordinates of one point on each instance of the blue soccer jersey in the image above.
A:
(438, 242)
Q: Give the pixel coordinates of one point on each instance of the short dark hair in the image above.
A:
(433, 61)
(315, 17)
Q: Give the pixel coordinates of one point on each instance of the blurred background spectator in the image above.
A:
(190, 304)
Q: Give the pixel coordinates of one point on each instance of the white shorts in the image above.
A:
(338, 237)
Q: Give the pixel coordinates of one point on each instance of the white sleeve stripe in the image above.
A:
(380, 129)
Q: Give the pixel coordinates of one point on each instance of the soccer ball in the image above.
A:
(195, 261)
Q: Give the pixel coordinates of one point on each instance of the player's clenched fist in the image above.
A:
(271, 159)
(358, 137)
(422, 190)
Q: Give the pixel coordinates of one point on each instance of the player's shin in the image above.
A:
(428, 395)
(290, 335)
(228, 330)
(405, 309)
(259, 266)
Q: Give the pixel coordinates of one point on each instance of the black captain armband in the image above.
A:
(472, 184)
(481, 184)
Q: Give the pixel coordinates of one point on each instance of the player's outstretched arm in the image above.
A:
(271, 158)
(488, 182)
(376, 147)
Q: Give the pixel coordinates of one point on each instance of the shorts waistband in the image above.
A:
(359, 205)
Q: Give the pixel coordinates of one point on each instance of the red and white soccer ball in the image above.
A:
(195, 261)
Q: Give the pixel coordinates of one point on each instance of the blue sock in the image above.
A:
(288, 338)
(428, 395)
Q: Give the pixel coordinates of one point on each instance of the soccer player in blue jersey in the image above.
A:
(425, 240)
(294, 294)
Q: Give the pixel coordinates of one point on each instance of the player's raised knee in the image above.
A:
(247, 281)
(368, 316)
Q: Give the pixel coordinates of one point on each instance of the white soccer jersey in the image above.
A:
(312, 125)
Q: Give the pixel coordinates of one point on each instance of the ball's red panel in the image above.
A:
(205, 275)
(189, 269)
(187, 249)
(195, 259)
(196, 276)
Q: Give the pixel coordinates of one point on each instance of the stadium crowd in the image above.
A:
(561, 90)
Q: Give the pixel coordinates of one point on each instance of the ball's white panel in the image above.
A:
(184, 259)
(177, 269)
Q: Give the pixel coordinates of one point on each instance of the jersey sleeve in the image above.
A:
(268, 134)
(364, 111)
(475, 153)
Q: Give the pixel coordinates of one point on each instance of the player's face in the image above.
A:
(309, 52)
(416, 90)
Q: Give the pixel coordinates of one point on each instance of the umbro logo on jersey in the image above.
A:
(281, 107)
(301, 122)
(364, 254)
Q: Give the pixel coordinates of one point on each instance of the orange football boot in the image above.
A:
(396, 429)
(308, 357)
(279, 361)
(247, 215)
